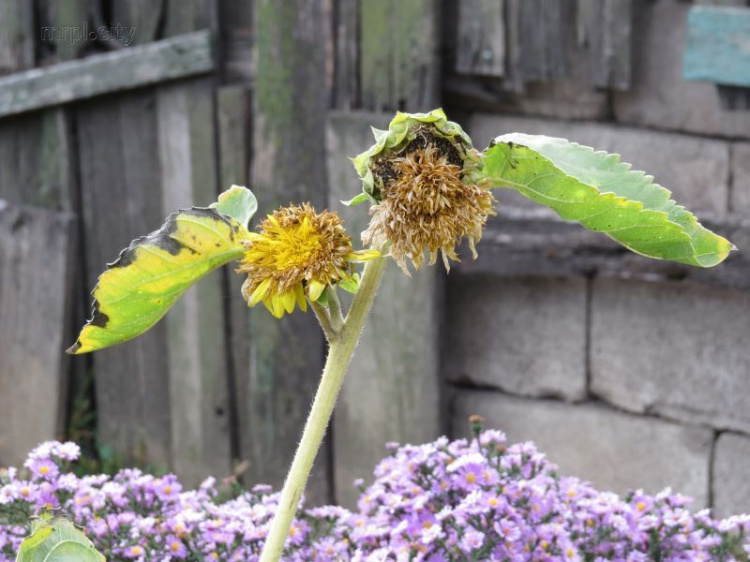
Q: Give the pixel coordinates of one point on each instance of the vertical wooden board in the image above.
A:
(72, 14)
(398, 54)
(514, 80)
(346, 54)
(234, 128)
(542, 39)
(289, 112)
(610, 30)
(184, 16)
(17, 35)
(236, 40)
(35, 159)
(481, 38)
(143, 15)
(62, 26)
(35, 252)
(197, 368)
(121, 192)
(392, 389)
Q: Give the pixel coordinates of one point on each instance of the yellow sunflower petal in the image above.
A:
(362, 255)
(299, 293)
(277, 306)
(288, 299)
(260, 293)
(315, 289)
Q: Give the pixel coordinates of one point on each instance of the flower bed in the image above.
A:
(447, 500)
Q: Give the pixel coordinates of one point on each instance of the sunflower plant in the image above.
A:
(428, 189)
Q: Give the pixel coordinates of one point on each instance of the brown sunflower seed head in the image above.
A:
(427, 203)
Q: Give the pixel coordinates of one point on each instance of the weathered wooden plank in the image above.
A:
(514, 80)
(63, 29)
(717, 46)
(288, 165)
(16, 35)
(610, 43)
(187, 55)
(536, 243)
(346, 87)
(36, 247)
(392, 390)
(198, 376)
(236, 40)
(542, 50)
(120, 178)
(143, 15)
(398, 54)
(184, 16)
(35, 160)
(481, 38)
(234, 157)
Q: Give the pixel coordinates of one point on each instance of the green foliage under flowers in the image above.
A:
(56, 539)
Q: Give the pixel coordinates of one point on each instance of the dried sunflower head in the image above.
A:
(422, 176)
(296, 254)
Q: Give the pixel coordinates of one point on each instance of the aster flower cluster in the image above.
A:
(448, 500)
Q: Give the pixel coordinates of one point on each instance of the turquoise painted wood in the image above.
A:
(717, 47)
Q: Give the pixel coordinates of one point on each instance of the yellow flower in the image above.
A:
(296, 254)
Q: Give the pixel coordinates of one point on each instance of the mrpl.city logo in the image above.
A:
(76, 33)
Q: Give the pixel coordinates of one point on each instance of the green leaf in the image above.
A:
(55, 539)
(237, 202)
(150, 275)
(604, 195)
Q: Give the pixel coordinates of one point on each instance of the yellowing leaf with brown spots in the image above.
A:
(150, 275)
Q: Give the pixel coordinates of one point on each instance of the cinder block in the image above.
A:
(731, 486)
(740, 190)
(613, 450)
(523, 336)
(659, 96)
(678, 350)
(695, 169)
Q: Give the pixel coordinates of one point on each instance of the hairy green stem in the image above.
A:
(339, 355)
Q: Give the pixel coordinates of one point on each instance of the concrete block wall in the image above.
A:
(628, 384)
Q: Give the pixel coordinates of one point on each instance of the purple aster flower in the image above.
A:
(472, 540)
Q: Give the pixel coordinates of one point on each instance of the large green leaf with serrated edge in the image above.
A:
(152, 273)
(604, 195)
(55, 539)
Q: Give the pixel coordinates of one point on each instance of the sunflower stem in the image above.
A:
(334, 305)
(339, 356)
(321, 313)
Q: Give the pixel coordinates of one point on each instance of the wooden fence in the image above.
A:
(100, 140)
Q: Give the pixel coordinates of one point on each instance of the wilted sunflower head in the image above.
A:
(296, 254)
(421, 176)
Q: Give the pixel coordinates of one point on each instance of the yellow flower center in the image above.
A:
(296, 255)
(44, 470)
